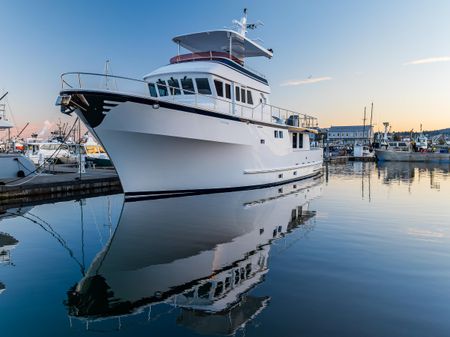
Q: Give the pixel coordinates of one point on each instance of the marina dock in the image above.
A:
(65, 183)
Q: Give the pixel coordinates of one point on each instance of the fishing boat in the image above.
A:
(219, 253)
(201, 123)
(410, 155)
(418, 151)
(12, 164)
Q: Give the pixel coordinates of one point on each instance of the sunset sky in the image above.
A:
(331, 58)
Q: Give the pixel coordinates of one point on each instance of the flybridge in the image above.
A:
(233, 43)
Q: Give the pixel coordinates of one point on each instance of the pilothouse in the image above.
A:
(203, 122)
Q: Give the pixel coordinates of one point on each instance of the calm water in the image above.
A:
(365, 251)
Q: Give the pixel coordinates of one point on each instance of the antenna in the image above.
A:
(243, 26)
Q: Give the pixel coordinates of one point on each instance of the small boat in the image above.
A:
(51, 150)
(95, 153)
(362, 151)
(12, 164)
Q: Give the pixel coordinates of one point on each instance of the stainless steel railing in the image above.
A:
(126, 85)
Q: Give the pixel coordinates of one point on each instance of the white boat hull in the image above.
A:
(15, 165)
(160, 149)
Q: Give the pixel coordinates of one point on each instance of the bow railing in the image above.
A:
(162, 91)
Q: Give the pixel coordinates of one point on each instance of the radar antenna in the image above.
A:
(243, 26)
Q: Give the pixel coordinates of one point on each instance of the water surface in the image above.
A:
(364, 251)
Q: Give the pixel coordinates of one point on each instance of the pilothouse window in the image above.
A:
(188, 86)
(162, 88)
(219, 87)
(238, 94)
(203, 86)
(174, 86)
(151, 87)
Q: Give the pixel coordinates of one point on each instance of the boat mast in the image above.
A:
(364, 126)
(370, 128)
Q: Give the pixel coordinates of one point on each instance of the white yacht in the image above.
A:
(201, 122)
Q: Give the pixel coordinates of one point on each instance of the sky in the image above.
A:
(331, 58)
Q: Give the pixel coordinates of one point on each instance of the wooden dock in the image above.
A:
(48, 187)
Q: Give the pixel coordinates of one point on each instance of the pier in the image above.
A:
(65, 183)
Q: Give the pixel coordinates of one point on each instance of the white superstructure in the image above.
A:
(202, 122)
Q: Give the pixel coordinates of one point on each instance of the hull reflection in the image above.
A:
(199, 253)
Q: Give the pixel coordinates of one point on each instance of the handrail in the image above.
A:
(260, 109)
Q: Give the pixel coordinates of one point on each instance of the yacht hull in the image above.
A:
(161, 147)
(407, 156)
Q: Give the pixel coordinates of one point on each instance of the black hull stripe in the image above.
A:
(150, 195)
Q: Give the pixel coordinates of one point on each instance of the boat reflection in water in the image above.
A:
(407, 172)
(198, 253)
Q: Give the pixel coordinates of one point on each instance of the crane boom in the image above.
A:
(23, 129)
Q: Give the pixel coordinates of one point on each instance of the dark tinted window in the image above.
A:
(162, 88)
(174, 86)
(219, 87)
(203, 86)
(188, 86)
(300, 140)
(238, 94)
(151, 87)
(281, 134)
(227, 90)
(249, 97)
(294, 140)
(243, 95)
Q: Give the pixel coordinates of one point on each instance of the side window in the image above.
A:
(280, 134)
(151, 87)
(219, 87)
(162, 88)
(294, 140)
(238, 94)
(188, 86)
(243, 95)
(300, 140)
(203, 86)
(228, 90)
(174, 86)
(275, 133)
(249, 97)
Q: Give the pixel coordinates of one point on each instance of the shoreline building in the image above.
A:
(349, 134)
